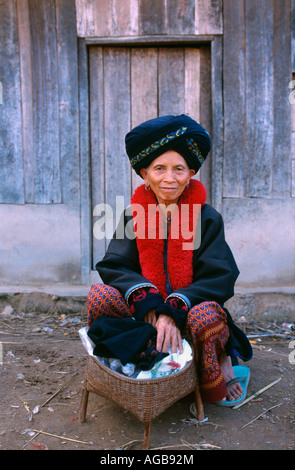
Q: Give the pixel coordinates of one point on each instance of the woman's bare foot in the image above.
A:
(235, 390)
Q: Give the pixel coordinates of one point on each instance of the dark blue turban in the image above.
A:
(181, 133)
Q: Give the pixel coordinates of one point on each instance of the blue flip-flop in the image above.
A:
(242, 375)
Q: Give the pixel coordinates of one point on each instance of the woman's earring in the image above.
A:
(187, 184)
(147, 188)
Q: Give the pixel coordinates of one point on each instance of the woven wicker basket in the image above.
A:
(145, 399)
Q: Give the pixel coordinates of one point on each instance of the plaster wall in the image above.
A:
(40, 244)
(261, 234)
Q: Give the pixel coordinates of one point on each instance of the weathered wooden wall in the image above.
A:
(293, 143)
(39, 115)
(45, 145)
(257, 177)
(40, 162)
(39, 126)
(292, 100)
(39, 143)
(257, 113)
(148, 17)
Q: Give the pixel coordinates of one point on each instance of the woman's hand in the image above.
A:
(167, 332)
(151, 318)
(168, 335)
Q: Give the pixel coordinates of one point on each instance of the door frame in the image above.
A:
(215, 43)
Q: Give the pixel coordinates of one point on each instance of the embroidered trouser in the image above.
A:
(206, 327)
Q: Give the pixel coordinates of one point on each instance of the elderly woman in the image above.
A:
(164, 276)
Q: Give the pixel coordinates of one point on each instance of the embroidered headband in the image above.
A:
(181, 133)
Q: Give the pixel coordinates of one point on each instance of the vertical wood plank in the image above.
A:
(208, 16)
(293, 34)
(282, 107)
(293, 178)
(85, 18)
(217, 137)
(293, 145)
(259, 104)
(117, 113)
(103, 17)
(27, 98)
(234, 96)
(192, 82)
(181, 17)
(143, 84)
(85, 164)
(206, 113)
(192, 85)
(293, 149)
(152, 17)
(12, 178)
(94, 18)
(68, 99)
(97, 136)
(144, 93)
(110, 98)
(46, 108)
(171, 81)
(293, 152)
(96, 98)
(117, 122)
(125, 18)
(293, 113)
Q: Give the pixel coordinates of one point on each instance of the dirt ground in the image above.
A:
(41, 376)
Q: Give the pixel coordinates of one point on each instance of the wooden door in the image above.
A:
(129, 85)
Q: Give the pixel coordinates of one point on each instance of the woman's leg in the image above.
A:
(207, 326)
(107, 301)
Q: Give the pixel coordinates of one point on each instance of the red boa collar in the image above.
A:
(150, 233)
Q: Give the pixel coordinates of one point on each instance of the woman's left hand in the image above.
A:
(168, 335)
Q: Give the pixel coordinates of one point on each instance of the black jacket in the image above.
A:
(214, 267)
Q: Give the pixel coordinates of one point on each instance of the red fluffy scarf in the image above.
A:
(149, 227)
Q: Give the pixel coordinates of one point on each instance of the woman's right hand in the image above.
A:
(167, 332)
(168, 335)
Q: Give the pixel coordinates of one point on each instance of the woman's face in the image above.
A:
(167, 176)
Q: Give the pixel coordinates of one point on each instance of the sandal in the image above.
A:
(242, 375)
